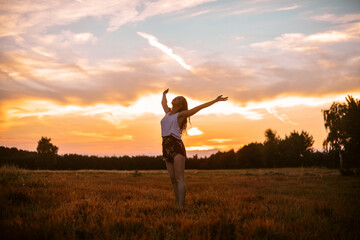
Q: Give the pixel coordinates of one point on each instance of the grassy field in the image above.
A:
(223, 204)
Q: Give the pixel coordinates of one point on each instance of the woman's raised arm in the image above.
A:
(189, 113)
(164, 102)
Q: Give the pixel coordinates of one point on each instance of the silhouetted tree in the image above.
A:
(342, 121)
(295, 148)
(45, 147)
(251, 156)
(271, 149)
(47, 153)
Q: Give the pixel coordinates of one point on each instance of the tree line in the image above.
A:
(293, 151)
(341, 149)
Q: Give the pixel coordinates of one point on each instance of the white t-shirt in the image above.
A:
(170, 126)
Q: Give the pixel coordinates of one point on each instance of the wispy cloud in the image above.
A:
(200, 148)
(150, 9)
(194, 14)
(287, 42)
(102, 136)
(259, 9)
(282, 117)
(205, 147)
(217, 140)
(300, 42)
(161, 7)
(242, 11)
(198, 13)
(295, 6)
(153, 41)
(35, 16)
(80, 38)
(333, 18)
(328, 37)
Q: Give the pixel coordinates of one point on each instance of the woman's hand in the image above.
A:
(164, 101)
(221, 98)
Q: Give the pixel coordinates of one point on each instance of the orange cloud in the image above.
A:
(101, 136)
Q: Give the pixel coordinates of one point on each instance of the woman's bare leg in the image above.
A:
(171, 171)
(179, 168)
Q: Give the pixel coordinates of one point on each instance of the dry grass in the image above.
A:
(234, 204)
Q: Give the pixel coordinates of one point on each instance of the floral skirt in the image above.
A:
(172, 146)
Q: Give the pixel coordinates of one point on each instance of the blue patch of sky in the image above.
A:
(336, 7)
(123, 43)
(210, 29)
(339, 6)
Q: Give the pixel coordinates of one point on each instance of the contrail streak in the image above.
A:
(153, 41)
(283, 117)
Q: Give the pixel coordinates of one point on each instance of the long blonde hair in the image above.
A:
(184, 106)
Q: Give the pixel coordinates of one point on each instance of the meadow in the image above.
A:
(290, 203)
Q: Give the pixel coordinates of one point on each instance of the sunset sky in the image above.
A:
(90, 74)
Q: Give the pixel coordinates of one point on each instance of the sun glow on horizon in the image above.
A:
(121, 121)
(150, 104)
(200, 148)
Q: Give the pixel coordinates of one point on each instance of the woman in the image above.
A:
(172, 126)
